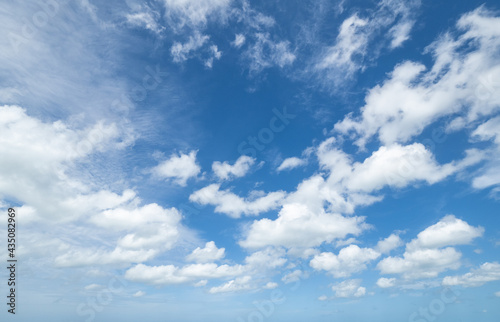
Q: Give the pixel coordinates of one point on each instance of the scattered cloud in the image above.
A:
(225, 171)
(428, 255)
(487, 272)
(386, 282)
(349, 288)
(291, 163)
(234, 206)
(350, 260)
(206, 255)
(179, 168)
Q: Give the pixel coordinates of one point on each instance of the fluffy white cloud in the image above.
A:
(425, 256)
(386, 245)
(449, 231)
(273, 285)
(291, 163)
(411, 99)
(299, 227)
(170, 274)
(234, 206)
(208, 254)
(42, 157)
(393, 165)
(180, 168)
(351, 259)
(386, 282)
(349, 288)
(238, 284)
(268, 258)
(487, 272)
(225, 171)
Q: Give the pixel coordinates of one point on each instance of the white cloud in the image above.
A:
(208, 254)
(194, 13)
(393, 165)
(350, 260)
(487, 272)
(145, 18)
(349, 41)
(56, 149)
(298, 227)
(182, 51)
(139, 294)
(489, 175)
(291, 163)
(411, 98)
(386, 282)
(497, 294)
(386, 245)
(180, 168)
(269, 258)
(349, 288)
(170, 274)
(238, 284)
(273, 285)
(265, 53)
(239, 40)
(215, 54)
(225, 171)
(400, 33)
(294, 276)
(92, 287)
(428, 255)
(234, 206)
(449, 231)
(349, 54)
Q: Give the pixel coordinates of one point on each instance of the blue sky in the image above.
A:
(233, 160)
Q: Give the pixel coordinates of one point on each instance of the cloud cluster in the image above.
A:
(430, 253)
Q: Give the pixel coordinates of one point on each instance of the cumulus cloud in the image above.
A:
(428, 255)
(412, 98)
(238, 284)
(386, 245)
(209, 253)
(350, 260)
(179, 168)
(299, 227)
(349, 288)
(487, 272)
(234, 206)
(386, 282)
(291, 163)
(240, 168)
(170, 274)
